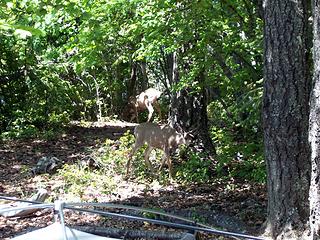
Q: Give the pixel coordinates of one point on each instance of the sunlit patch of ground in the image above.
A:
(228, 205)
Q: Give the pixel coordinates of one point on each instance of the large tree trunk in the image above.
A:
(189, 111)
(314, 129)
(285, 115)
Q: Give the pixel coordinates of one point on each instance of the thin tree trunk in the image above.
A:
(98, 100)
(314, 129)
(285, 117)
(145, 82)
(132, 81)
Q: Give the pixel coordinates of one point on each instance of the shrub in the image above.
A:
(194, 169)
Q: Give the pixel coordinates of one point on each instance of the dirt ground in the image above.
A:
(239, 207)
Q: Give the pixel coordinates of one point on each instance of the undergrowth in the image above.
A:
(238, 139)
(102, 170)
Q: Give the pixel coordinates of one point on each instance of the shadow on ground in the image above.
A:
(239, 207)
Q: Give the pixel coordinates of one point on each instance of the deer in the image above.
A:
(162, 137)
(145, 100)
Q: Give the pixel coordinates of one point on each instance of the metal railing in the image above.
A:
(59, 206)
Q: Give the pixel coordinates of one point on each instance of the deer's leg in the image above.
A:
(150, 109)
(133, 151)
(128, 163)
(136, 114)
(170, 167)
(163, 160)
(166, 156)
(132, 113)
(133, 116)
(146, 158)
(157, 107)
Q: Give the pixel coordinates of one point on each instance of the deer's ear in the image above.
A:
(188, 135)
(179, 128)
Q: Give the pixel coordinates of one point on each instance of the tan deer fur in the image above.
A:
(157, 136)
(145, 100)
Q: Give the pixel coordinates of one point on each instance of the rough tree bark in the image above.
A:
(314, 127)
(189, 111)
(285, 116)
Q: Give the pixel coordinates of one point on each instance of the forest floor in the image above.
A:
(233, 206)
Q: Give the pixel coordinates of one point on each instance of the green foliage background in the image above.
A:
(55, 56)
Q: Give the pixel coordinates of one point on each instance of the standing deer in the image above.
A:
(145, 100)
(162, 137)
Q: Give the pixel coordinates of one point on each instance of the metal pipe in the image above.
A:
(169, 224)
(74, 206)
(58, 207)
